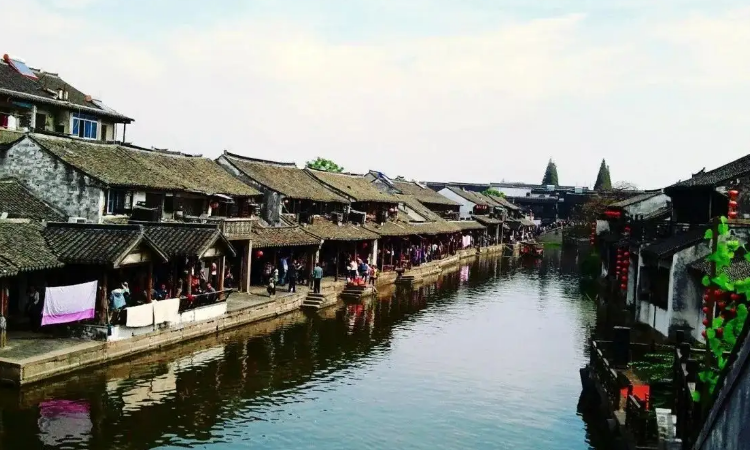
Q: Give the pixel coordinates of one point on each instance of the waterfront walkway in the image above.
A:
(31, 357)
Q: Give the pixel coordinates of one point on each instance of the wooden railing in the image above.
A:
(685, 379)
(639, 420)
(609, 378)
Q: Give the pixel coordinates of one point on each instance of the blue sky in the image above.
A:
(475, 90)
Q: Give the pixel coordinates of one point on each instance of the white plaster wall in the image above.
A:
(685, 301)
(602, 226)
(467, 207)
(647, 206)
(632, 270)
(654, 316)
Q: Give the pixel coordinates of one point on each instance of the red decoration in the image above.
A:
(718, 292)
(624, 287)
(705, 322)
(719, 332)
(721, 305)
(703, 333)
(732, 214)
(706, 297)
(735, 297)
(732, 204)
(624, 279)
(733, 194)
(626, 254)
(705, 310)
(259, 253)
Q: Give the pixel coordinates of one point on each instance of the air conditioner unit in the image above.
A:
(77, 220)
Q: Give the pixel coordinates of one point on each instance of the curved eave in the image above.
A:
(67, 105)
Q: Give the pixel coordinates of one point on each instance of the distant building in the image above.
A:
(34, 100)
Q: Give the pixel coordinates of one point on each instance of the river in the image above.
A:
(485, 357)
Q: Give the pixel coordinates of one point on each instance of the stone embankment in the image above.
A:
(31, 362)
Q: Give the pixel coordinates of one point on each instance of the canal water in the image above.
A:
(485, 357)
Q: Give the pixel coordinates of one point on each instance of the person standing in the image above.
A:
(292, 276)
(317, 276)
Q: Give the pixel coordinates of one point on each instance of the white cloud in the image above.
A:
(480, 106)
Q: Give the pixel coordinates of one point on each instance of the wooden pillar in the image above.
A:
(150, 282)
(336, 259)
(220, 273)
(103, 300)
(247, 267)
(3, 315)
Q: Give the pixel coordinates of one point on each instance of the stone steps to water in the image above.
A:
(356, 292)
(313, 301)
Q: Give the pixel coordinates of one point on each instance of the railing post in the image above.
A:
(621, 346)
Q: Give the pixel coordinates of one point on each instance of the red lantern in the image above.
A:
(364, 245)
(732, 204)
(624, 287)
(706, 297)
(718, 292)
(626, 254)
(705, 310)
(733, 194)
(732, 214)
(703, 333)
(259, 253)
(624, 279)
(705, 322)
(735, 297)
(721, 306)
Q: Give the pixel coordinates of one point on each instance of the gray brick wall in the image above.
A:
(52, 180)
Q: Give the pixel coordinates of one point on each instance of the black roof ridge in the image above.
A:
(174, 224)
(96, 226)
(258, 160)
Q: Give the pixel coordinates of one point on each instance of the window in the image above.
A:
(118, 202)
(104, 132)
(85, 126)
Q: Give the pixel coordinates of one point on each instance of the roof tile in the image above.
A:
(23, 248)
(356, 187)
(20, 203)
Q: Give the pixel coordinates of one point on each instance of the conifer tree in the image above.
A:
(603, 181)
(550, 175)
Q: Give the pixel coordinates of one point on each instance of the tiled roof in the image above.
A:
(122, 166)
(675, 243)
(23, 249)
(76, 243)
(634, 199)
(467, 225)
(186, 239)
(423, 193)
(20, 203)
(487, 220)
(390, 228)
(738, 270)
(480, 199)
(414, 203)
(329, 231)
(14, 84)
(269, 237)
(356, 187)
(505, 203)
(659, 214)
(433, 228)
(285, 178)
(717, 176)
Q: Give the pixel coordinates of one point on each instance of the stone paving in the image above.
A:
(23, 345)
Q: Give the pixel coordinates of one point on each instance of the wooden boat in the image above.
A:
(532, 249)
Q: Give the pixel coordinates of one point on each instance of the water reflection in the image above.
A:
(455, 363)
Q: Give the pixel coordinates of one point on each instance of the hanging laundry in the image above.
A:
(167, 310)
(140, 316)
(65, 304)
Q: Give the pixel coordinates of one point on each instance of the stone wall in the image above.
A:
(52, 180)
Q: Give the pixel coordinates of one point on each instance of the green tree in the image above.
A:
(325, 165)
(550, 175)
(603, 181)
(492, 192)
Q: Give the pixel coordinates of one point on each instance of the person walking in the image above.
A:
(317, 276)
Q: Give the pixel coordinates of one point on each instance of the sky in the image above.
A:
(434, 90)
